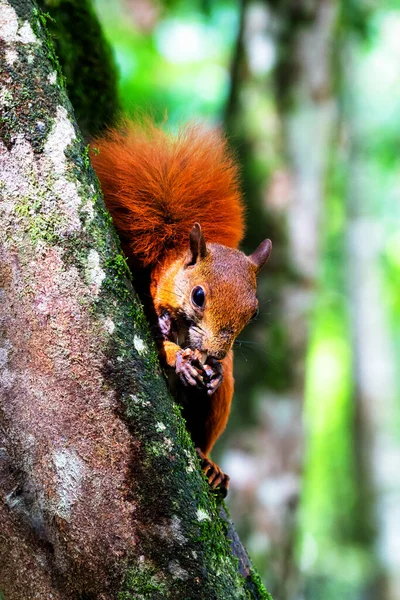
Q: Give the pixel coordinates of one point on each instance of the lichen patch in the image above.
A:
(52, 77)
(8, 24)
(88, 209)
(7, 379)
(11, 56)
(168, 443)
(26, 36)
(70, 470)
(5, 97)
(15, 168)
(4, 355)
(202, 515)
(176, 527)
(177, 571)
(95, 273)
(139, 344)
(68, 192)
(109, 325)
(11, 32)
(45, 211)
(138, 400)
(191, 464)
(60, 137)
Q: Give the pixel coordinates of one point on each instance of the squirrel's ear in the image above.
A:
(197, 246)
(261, 255)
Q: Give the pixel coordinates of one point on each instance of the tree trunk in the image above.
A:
(305, 94)
(101, 495)
(86, 60)
(292, 214)
(302, 33)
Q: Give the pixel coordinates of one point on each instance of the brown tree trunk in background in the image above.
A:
(306, 101)
(101, 494)
(374, 353)
(302, 34)
(236, 67)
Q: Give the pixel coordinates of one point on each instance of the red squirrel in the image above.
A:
(176, 205)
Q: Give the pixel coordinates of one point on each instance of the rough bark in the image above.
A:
(101, 495)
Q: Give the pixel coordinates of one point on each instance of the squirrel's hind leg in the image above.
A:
(216, 477)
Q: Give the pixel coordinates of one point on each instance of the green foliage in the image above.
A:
(335, 523)
(355, 17)
(156, 76)
(328, 422)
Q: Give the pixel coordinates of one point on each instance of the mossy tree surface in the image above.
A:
(86, 60)
(101, 495)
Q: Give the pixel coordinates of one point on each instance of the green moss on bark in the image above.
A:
(31, 99)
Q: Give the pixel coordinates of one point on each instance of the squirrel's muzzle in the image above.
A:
(218, 355)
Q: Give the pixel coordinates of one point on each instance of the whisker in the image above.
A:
(165, 291)
(240, 351)
(266, 301)
(198, 330)
(261, 313)
(246, 343)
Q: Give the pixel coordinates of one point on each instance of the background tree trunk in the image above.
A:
(304, 81)
(376, 390)
(299, 36)
(101, 495)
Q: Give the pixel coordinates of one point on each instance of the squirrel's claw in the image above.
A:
(215, 375)
(216, 477)
(185, 369)
(191, 371)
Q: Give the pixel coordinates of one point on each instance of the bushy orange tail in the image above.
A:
(156, 187)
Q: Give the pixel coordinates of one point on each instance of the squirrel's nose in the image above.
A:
(219, 355)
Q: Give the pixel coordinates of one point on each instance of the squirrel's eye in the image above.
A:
(255, 315)
(198, 296)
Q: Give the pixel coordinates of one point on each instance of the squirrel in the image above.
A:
(177, 208)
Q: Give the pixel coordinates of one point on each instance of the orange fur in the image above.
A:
(221, 406)
(156, 187)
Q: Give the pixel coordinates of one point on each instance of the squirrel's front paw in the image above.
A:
(186, 369)
(215, 373)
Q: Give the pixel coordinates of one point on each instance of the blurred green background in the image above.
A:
(309, 95)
